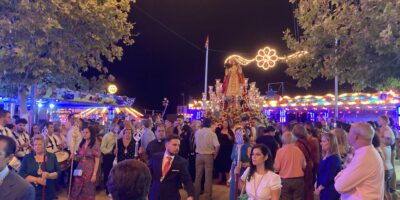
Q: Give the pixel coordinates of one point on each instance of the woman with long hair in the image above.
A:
(84, 186)
(329, 167)
(223, 160)
(34, 130)
(259, 180)
(343, 145)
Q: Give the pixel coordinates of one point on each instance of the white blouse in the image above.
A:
(259, 187)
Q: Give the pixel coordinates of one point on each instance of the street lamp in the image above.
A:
(112, 89)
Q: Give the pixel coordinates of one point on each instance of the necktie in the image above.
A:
(193, 144)
(166, 166)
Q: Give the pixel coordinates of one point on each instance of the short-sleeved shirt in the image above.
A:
(206, 141)
(289, 161)
(259, 187)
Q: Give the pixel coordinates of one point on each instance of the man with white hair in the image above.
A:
(363, 178)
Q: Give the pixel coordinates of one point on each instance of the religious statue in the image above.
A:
(233, 80)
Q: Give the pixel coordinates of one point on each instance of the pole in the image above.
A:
(204, 98)
(71, 173)
(34, 111)
(337, 43)
(336, 97)
(206, 72)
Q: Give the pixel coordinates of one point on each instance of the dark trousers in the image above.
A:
(292, 188)
(192, 166)
(107, 165)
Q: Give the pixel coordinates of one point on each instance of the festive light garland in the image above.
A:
(104, 110)
(266, 58)
(356, 100)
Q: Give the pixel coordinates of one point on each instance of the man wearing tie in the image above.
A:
(169, 171)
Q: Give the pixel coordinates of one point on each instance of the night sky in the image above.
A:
(168, 56)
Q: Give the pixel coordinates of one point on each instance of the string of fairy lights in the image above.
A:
(266, 58)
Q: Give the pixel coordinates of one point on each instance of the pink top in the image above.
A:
(363, 178)
(290, 161)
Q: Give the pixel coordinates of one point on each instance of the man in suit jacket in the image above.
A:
(12, 186)
(185, 133)
(169, 171)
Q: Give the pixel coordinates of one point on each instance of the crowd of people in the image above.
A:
(155, 158)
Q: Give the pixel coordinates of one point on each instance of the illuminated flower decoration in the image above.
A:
(266, 58)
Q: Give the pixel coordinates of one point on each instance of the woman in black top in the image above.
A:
(126, 146)
(223, 161)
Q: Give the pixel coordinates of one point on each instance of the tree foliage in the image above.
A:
(367, 51)
(55, 42)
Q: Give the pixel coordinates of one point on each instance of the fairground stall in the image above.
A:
(58, 104)
(353, 107)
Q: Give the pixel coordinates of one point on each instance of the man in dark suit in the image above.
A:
(12, 186)
(169, 171)
(157, 145)
(185, 133)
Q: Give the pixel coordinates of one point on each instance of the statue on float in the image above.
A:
(233, 80)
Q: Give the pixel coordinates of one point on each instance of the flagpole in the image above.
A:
(206, 75)
(206, 72)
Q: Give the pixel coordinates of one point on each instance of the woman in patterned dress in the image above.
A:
(84, 186)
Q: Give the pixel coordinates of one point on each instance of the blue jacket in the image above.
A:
(328, 169)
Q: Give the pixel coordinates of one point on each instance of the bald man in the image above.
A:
(363, 178)
(290, 162)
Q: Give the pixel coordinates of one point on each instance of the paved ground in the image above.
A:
(220, 192)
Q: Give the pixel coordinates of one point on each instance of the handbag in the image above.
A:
(243, 195)
(78, 172)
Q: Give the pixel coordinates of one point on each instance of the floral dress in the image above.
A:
(83, 188)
